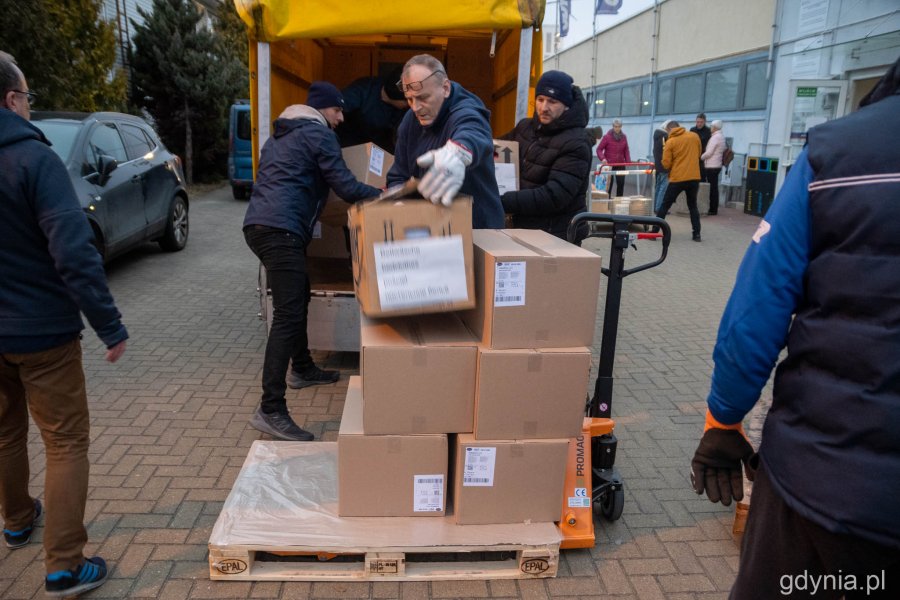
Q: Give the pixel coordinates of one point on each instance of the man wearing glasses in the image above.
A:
(51, 272)
(445, 140)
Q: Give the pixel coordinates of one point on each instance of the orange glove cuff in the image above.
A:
(711, 423)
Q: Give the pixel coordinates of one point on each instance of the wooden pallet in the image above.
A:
(273, 530)
(378, 564)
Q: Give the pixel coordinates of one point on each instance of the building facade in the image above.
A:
(769, 69)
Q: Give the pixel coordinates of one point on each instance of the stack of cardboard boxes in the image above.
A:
(464, 413)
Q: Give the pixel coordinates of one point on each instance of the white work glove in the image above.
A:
(446, 171)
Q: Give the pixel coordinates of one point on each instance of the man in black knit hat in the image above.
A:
(297, 166)
(554, 158)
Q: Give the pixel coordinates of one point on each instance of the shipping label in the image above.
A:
(478, 469)
(428, 493)
(376, 161)
(509, 284)
(421, 272)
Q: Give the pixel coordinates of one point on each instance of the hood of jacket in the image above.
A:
(676, 132)
(297, 115)
(14, 129)
(576, 116)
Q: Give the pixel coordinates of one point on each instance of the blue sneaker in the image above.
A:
(17, 539)
(91, 574)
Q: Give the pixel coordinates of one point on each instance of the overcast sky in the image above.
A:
(580, 25)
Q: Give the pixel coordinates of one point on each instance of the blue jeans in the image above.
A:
(283, 254)
(662, 182)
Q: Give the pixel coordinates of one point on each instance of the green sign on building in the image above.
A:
(806, 92)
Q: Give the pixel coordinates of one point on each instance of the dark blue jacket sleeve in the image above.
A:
(769, 286)
(400, 170)
(338, 176)
(471, 130)
(69, 238)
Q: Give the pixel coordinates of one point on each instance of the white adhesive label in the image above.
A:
(428, 493)
(580, 499)
(317, 231)
(376, 161)
(509, 284)
(506, 177)
(478, 469)
(421, 272)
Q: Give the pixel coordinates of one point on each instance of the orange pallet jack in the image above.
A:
(593, 485)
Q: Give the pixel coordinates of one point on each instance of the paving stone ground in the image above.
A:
(170, 426)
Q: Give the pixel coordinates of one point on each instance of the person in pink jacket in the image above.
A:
(613, 149)
(712, 162)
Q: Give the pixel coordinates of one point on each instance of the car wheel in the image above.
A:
(176, 235)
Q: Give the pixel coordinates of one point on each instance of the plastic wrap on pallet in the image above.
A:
(286, 495)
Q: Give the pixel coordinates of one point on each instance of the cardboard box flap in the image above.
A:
(352, 418)
(439, 329)
(548, 245)
(500, 245)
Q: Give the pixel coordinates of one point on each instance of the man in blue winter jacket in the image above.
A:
(297, 166)
(445, 140)
(821, 278)
(49, 273)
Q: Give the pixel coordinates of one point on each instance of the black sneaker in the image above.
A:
(314, 376)
(91, 574)
(17, 539)
(280, 426)
(696, 238)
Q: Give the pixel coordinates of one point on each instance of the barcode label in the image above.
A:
(428, 493)
(478, 469)
(509, 284)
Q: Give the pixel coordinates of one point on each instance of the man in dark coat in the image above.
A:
(50, 274)
(554, 158)
(373, 111)
(297, 166)
(704, 133)
(446, 141)
(820, 279)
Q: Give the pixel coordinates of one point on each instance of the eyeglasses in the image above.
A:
(415, 86)
(30, 95)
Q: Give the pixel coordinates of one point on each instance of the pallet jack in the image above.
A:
(593, 485)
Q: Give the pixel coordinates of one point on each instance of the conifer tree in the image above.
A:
(181, 77)
(67, 53)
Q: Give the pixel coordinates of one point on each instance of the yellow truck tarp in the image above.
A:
(272, 20)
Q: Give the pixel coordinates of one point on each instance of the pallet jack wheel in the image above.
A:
(611, 505)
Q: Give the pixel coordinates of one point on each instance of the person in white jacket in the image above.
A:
(712, 162)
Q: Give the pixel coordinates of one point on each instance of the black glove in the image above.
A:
(717, 463)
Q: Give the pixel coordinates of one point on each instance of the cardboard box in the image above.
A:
(506, 165)
(329, 241)
(508, 481)
(527, 394)
(369, 164)
(388, 475)
(533, 290)
(412, 256)
(418, 375)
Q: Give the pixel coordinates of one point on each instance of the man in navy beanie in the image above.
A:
(297, 166)
(554, 158)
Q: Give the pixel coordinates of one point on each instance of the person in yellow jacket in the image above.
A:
(681, 156)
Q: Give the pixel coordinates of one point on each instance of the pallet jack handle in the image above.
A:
(601, 403)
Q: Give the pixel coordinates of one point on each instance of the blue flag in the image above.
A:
(565, 9)
(608, 7)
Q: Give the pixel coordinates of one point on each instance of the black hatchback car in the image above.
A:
(131, 187)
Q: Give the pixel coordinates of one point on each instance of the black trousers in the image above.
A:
(784, 555)
(283, 254)
(690, 189)
(620, 183)
(712, 177)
